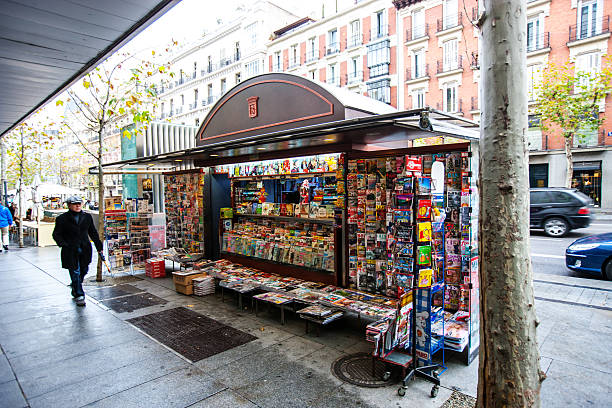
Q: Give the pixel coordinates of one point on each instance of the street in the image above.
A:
(548, 254)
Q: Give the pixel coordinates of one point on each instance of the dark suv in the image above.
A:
(559, 210)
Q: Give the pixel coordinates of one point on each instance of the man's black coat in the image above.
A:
(70, 237)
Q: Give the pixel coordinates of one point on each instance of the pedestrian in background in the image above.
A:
(6, 220)
(71, 233)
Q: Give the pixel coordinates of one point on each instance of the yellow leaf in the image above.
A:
(153, 52)
(86, 84)
(59, 103)
(126, 133)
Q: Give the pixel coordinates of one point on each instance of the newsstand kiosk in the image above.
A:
(305, 180)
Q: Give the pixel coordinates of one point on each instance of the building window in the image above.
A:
(182, 100)
(418, 23)
(379, 58)
(195, 70)
(418, 98)
(588, 22)
(332, 75)
(380, 25)
(534, 133)
(251, 30)
(450, 97)
(294, 56)
(538, 175)
(223, 86)
(197, 122)
(354, 75)
(535, 33)
(210, 64)
(163, 110)
(332, 42)
(450, 55)
(195, 98)
(450, 14)
(355, 36)
(312, 74)
(210, 94)
(252, 68)
(534, 76)
(380, 90)
(237, 51)
(418, 64)
(277, 62)
(589, 64)
(311, 49)
(238, 78)
(587, 178)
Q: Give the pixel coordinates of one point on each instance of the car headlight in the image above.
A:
(583, 247)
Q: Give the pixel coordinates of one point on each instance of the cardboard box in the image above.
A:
(184, 289)
(185, 277)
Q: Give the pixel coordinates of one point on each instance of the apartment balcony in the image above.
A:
(353, 78)
(312, 55)
(354, 41)
(335, 80)
(294, 64)
(277, 68)
(421, 72)
(592, 28)
(379, 70)
(379, 32)
(475, 63)
(474, 104)
(192, 106)
(539, 42)
(448, 67)
(179, 110)
(449, 22)
(211, 99)
(332, 48)
(417, 32)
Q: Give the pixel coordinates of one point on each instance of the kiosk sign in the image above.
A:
(252, 101)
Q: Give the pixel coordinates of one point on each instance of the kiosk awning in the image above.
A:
(369, 133)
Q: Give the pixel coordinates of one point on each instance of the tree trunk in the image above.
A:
(21, 201)
(509, 374)
(100, 203)
(569, 158)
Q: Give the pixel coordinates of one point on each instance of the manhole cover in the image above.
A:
(191, 334)
(356, 369)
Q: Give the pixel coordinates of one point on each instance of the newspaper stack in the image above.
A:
(203, 286)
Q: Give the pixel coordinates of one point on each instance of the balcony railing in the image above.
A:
(590, 28)
(312, 55)
(379, 32)
(475, 64)
(293, 64)
(277, 68)
(538, 42)
(354, 41)
(179, 110)
(335, 80)
(442, 67)
(421, 72)
(332, 48)
(192, 106)
(449, 22)
(416, 32)
(353, 78)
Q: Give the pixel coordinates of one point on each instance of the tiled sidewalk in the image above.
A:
(56, 354)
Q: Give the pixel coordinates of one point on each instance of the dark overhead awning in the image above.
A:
(370, 133)
(46, 46)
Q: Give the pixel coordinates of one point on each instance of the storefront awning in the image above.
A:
(369, 133)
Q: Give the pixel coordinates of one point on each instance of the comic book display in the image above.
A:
(184, 200)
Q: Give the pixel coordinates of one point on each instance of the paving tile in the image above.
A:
(40, 381)
(417, 395)
(11, 396)
(569, 385)
(53, 355)
(178, 389)
(105, 385)
(340, 398)
(227, 398)
(601, 321)
(6, 372)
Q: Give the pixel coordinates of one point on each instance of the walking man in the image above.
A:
(6, 220)
(71, 233)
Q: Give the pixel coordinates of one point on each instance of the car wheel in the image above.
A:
(556, 227)
(607, 270)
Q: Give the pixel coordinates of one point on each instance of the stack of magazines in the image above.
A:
(204, 286)
(320, 314)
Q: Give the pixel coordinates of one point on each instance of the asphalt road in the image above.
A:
(548, 254)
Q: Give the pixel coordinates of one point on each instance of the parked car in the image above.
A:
(559, 210)
(591, 255)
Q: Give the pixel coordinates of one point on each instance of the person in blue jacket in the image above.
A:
(6, 220)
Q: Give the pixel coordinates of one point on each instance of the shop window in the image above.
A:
(587, 179)
(379, 58)
(538, 175)
(380, 90)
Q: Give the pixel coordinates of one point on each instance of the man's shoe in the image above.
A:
(80, 301)
(5, 247)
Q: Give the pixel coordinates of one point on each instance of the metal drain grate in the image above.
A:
(356, 369)
(191, 334)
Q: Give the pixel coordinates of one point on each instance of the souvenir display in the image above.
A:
(184, 201)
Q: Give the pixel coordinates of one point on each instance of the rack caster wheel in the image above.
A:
(435, 374)
(401, 391)
(434, 391)
(386, 375)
